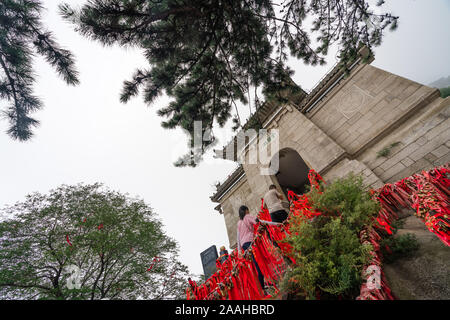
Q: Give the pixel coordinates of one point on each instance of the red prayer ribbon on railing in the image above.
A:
(428, 193)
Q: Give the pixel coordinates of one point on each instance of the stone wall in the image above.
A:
(344, 167)
(240, 194)
(298, 133)
(373, 109)
(365, 113)
(422, 142)
(367, 104)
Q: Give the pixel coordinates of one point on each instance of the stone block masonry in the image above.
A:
(345, 130)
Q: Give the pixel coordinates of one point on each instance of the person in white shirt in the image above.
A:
(272, 201)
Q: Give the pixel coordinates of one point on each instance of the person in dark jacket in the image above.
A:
(223, 254)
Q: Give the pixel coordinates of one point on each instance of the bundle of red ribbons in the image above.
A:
(427, 193)
(237, 278)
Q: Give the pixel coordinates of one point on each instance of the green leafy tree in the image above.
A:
(208, 54)
(22, 35)
(87, 242)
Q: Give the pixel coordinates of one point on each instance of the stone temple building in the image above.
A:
(366, 121)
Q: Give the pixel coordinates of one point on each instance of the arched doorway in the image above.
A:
(292, 171)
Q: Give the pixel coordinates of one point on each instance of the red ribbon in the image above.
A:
(237, 277)
(67, 239)
(155, 260)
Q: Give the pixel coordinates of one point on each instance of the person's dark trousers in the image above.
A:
(273, 241)
(279, 216)
(260, 275)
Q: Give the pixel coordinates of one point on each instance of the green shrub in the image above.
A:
(386, 151)
(445, 92)
(328, 253)
(347, 197)
(397, 224)
(399, 246)
(383, 152)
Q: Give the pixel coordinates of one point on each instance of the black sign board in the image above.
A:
(209, 257)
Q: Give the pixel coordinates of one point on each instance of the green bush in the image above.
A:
(399, 246)
(347, 197)
(397, 224)
(445, 92)
(328, 253)
(386, 151)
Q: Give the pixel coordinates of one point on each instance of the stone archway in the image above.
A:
(292, 171)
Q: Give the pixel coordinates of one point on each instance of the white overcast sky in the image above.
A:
(87, 135)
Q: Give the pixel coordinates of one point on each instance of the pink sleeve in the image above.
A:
(251, 219)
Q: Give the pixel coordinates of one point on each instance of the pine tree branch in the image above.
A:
(70, 76)
(11, 82)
